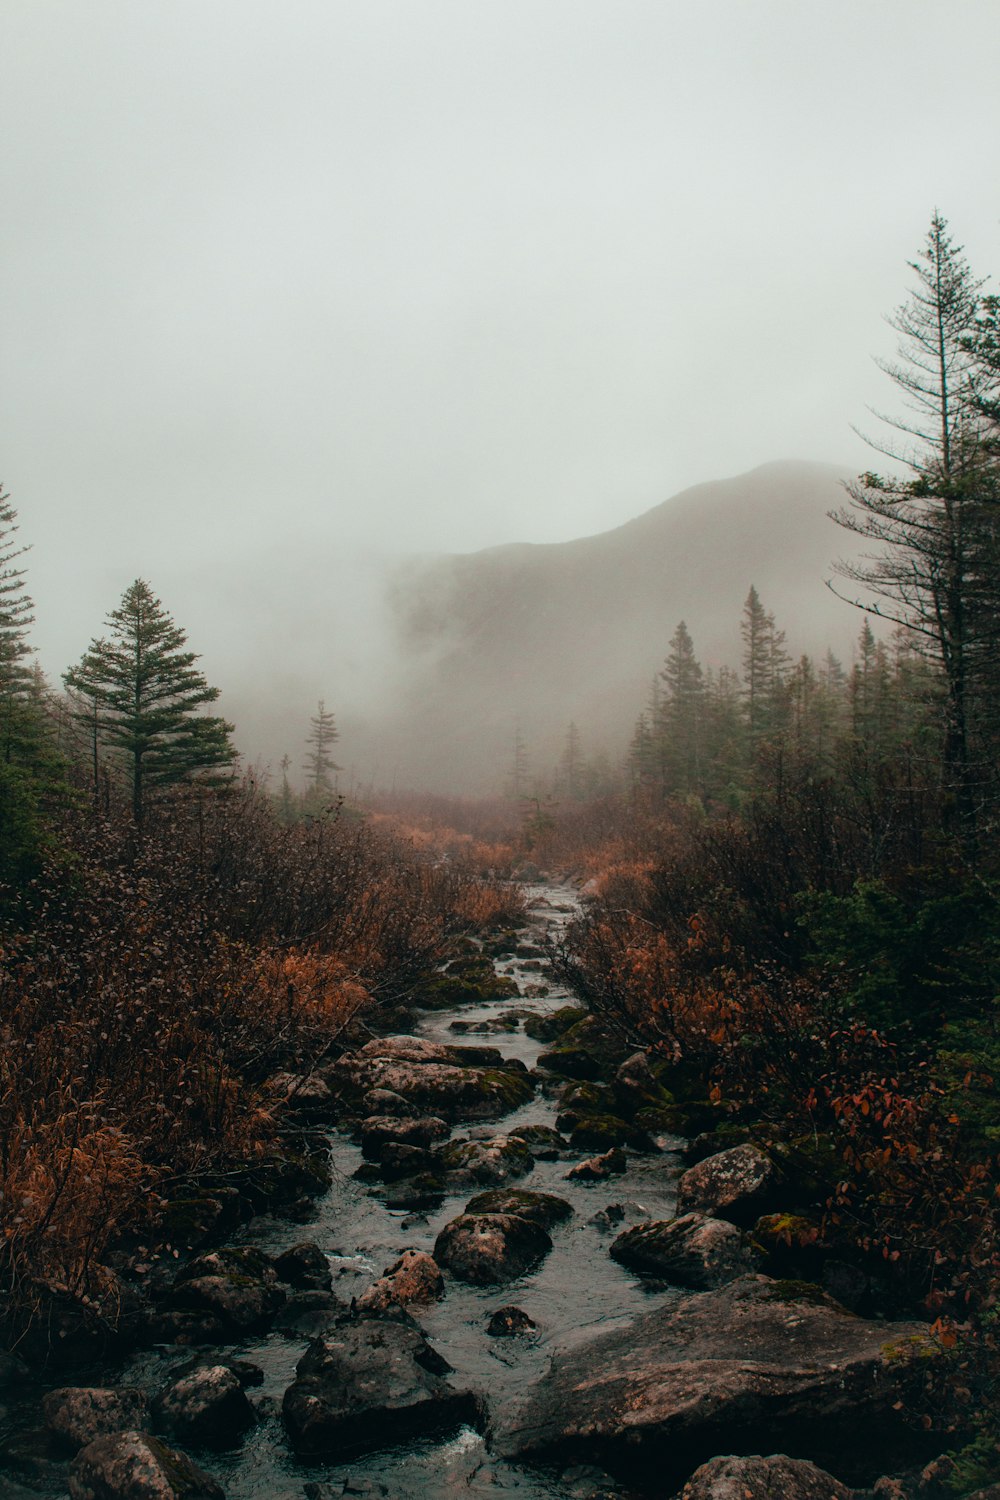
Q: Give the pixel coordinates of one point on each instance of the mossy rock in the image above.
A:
(658, 1119)
(548, 1028)
(601, 1132)
(586, 1096)
(448, 990)
(789, 1243)
(588, 1050)
(513, 1089)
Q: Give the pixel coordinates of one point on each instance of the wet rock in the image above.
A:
(190, 1329)
(385, 1102)
(692, 1251)
(485, 1162)
(397, 1160)
(414, 1278)
(239, 1287)
(370, 1384)
(544, 1143)
(778, 1477)
(507, 1022)
(544, 1209)
(421, 1130)
(422, 1191)
(549, 1027)
(616, 1214)
(451, 1082)
(486, 1249)
(599, 1168)
(207, 1406)
(304, 1266)
(76, 1415)
(719, 1368)
(134, 1466)
(588, 1050)
(739, 1184)
(508, 1321)
(306, 1094)
(601, 1132)
(308, 1313)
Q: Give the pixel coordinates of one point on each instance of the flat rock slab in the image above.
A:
(370, 1384)
(489, 1249)
(774, 1478)
(134, 1466)
(751, 1364)
(692, 1251)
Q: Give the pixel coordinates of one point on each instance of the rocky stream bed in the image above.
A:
(512, 1286)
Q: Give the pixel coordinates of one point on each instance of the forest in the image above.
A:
(781, 947)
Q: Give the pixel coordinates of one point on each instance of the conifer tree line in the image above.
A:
(709, 736)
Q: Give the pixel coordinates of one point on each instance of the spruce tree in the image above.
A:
(935, 573)
(323, 734)
(682, 713)
(16, 678)
(141, 697)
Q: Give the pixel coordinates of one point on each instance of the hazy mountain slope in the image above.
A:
(575, 630)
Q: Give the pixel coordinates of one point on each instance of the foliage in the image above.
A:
(141, 697)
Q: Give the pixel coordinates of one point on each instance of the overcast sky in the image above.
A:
(319, 280)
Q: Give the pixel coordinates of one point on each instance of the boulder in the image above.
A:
(385, 1102)
(451, 1082)
(775, 1478)
(371, 1383)
(692, 1251)
(508, 1321)
(414, 1278)
(752, 1362)
(308, 1313)
(599, 1168)
(76, 1415)
(133, 1466)
(307, 1095)
(544, 1143)
(487, 1249)
(421, 1130)
(545, 1209)
(485, 1162)
(739, 1184)
(206, 1406)
(305, 1267)
(237, 1287)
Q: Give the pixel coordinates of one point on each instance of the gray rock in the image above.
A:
(485, 1163)
(739, 1184)
(306, 1314)
(545, 1209)
(134, 1466)
(487, 1249)
(508, 1321)
(599, 1168)
(414, 1278)
(692, 1251)
(719, 1369)
(774, 1478)
(371, 1384)
(76, 1415)
(305, 1267)
(207, 1406)
(451, 1082)
(238, 1287)
(422, 1130)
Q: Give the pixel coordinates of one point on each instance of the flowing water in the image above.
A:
(577, 1289)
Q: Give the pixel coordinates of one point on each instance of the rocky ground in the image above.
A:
(508, 1282)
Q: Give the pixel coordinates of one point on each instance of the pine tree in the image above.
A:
(765, 663)
(517, 775)
(936, 574)
(16, 720)
(140, 696)
(682, 713)
(569, 777)
(323, 733)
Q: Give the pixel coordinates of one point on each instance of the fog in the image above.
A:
(290, 293)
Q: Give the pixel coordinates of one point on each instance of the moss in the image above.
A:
(659, 1117)
(797, 1291)
(907, 1351)
(549, 1028)
(514, 1089)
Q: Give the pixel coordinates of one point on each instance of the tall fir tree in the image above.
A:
(319, 763)
(141, 698)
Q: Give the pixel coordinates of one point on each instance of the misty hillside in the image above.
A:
(542, 635)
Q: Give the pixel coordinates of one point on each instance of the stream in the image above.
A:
(575, 1290)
